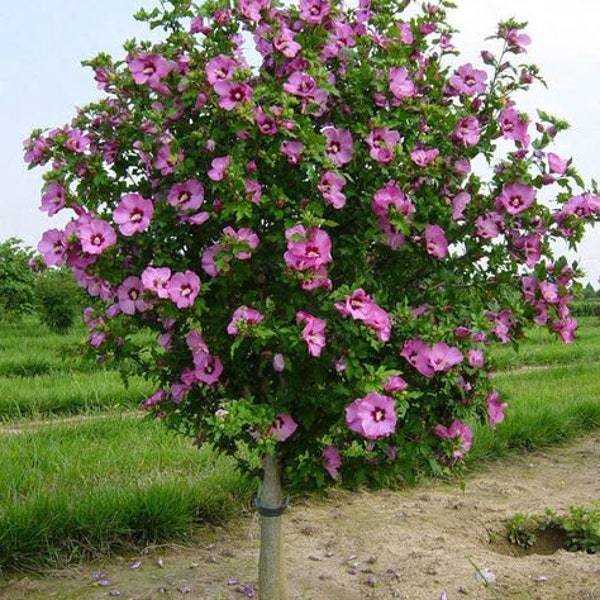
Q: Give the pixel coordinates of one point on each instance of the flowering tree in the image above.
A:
(301, 243)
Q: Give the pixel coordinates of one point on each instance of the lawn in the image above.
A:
(108, 479)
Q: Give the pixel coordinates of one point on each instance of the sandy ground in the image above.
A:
(412, 544)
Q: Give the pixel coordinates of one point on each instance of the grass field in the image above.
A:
(107, 479)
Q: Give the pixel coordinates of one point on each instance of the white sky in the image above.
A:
(41, 81)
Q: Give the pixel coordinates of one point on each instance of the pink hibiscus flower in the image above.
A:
(476, 358)
(53, 198)
(188, 195)
(167, 159)
(467, 132)
(459, 204)
(557, 164)
(330, 185)
(156, 280)
(283, 427)
(183, 288)
(292, 151)
(339, 145)
(395, 384)
(243, 241)
(332, 461)
(307, 249)
(361, 307)
(232, 93)
(208, 368)
(130, 296)
(459, 431)
(209, 262)
(244, 316)
(219, 168)
(150, 69)
(469, 81)
(300, 84)
(220, 68)
(435, 241)
(133, 214)
(514, 126)
(285, 43)
(382, 142)
(313, 332)
(495, 408)
(517, 197)
(422, 156)
(566, 329)
(373, 416)
(96, 236)
(314, 11)
(443, 357)
(400, 85)
(416, 353)
(53, 247)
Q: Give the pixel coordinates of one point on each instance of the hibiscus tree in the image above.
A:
(302, 231)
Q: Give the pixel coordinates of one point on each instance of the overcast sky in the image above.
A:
(41, 81)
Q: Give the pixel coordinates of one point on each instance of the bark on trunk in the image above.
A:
(272, 581)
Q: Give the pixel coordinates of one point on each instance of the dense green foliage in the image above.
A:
(59, 300)
(322, 237)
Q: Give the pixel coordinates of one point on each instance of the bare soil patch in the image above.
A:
(410, 544)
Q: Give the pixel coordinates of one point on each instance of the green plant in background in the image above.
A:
(16, 279)
(59, 299)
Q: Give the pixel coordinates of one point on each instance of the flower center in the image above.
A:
(378, 414)
(312, 252)
(515, 201)
(136, 216)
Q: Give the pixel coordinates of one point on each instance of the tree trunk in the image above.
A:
(272, 582)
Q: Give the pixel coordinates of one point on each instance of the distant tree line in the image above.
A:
(589, 293)
(27, 287)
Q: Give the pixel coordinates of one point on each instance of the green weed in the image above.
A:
(579, 527)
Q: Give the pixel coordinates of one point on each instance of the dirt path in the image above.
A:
(410, 545)
(27, 425)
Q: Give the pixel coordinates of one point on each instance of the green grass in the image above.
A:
(548, 405)
(541, 348)
(111, 480)
(59, 394)
(72, 491)
(28, 349)
(546, 408)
